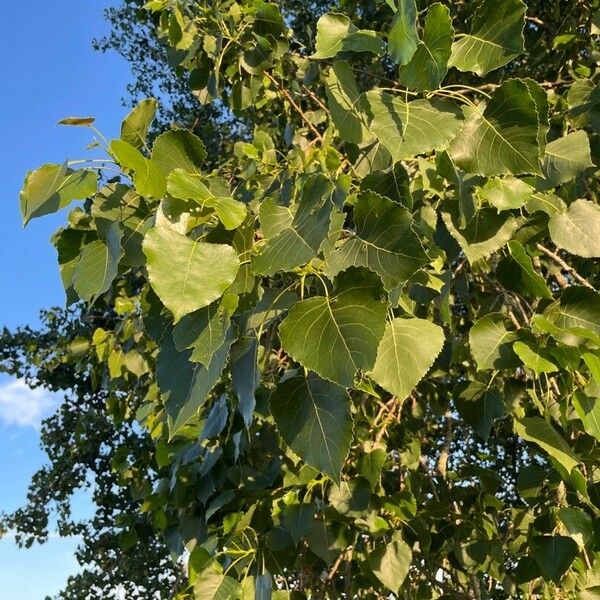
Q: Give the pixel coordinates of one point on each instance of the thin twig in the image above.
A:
(292, 102)
(567, 267)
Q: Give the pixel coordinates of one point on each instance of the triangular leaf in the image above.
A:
(406, 353)
(406, 129)
(313, 417)
(577, 229)
(504, 137)
(491, 343)
(496, 37)
(352, 320)
(53, 187)
(188, 275)
(385, 241)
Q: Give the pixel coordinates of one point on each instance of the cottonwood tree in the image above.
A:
(366, 339)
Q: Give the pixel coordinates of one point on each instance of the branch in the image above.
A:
(567, 267)
(296, 107)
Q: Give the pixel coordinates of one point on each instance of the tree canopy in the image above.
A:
(361, 342)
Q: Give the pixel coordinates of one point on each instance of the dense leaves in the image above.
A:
(367, 336)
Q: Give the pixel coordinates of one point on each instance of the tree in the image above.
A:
(86, 440)
(367, 338)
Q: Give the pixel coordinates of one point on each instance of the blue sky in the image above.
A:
(49, 71)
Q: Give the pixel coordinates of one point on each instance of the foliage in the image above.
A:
(366, 337)
(92, 444)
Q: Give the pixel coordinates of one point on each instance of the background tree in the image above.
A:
(366, 338)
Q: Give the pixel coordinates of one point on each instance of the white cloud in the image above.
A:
(20, 405)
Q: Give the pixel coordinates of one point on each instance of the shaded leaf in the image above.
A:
(184, 385)
(313, 417)
(344, 103)
(429, 64)
(98, 265)
(352, 320)
(491, 343)
(496, 37)
(515, 272)
(554, 555)
(385, 241)
(298, 243)
(480, 405)
(504, 137)
(403, 37)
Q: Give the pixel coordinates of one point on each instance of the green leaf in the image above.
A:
(479, 406)
(503, 139)
(403, 37)
(68, 244)
(540, 432)
(211, 584)
(577, 309)
(484, 234)
(53, 187)
(299, 242)
(566, 158)
(577, 229)
(390, 562)
(118, 202)
(406, 129)
(393, 184)
(352, 320)
(535, 358)
(578, 523)
(554, 555)
(429, 64)
(187, 275)
(296, 518)
(516, 272)
(134, 128)
(203, 331)
(584, 104)
(345, 103)
(593, 364)
(98, 265)
(385, 241)
(491, 343)
(588, 410)
(314, 419)
(188, 186)
(496, 37)
(184, 385)
(506, 193)
(406, 352)
(179, 149)
(336, 33)
(245, 375)
(147, 177)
